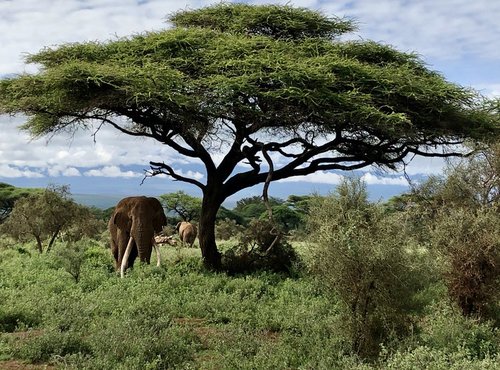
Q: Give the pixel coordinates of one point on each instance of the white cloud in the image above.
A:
(320, 177)
(13, 172)
(111, 171)
(451, 29)
(71, 171)
(63, 152)
(195, 175)
(489, 90)
(27, 26)
(372, 179)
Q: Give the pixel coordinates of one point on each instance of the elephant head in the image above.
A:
(132, 227)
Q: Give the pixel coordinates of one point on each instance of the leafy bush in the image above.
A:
(73, 256)
(227, 229)
(50, 345)
(470, 245)
(362, 257)
(11, 320)
(424, 357)
(261, 247)
(445, 329)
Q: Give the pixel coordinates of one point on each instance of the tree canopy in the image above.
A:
(44, 215)
(184, 205)
(252, 84)
(9, 194)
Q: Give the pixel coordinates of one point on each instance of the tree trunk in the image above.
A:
(52, 240)
(39, 244)
(206, 234)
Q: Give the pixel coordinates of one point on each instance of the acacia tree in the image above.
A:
(185, 205)
(251, 83)
(45, 215)
(9, 194)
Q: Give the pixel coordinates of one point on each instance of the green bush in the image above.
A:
(227, 229)
(424, 357)
(261, 247)
(445, 329)
(469, 243)
(363, 257)
(11, 320)
(50, 345)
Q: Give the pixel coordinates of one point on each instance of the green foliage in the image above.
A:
(362, 257)
(51, 345)
(424, 357)
(253, 207)
(183, 316)
(280, 22)
(227, 214)
(469, 243)
(43, 216)
(72, 256)
(227, 229)
(9, 194)
(286, 218)
(186, 206)
(447, 330)
(102, 214)
(262, 246)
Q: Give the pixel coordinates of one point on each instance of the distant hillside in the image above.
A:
(280, 190)
(97, 200)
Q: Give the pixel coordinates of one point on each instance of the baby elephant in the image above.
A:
(187, 232)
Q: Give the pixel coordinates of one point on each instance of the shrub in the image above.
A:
(50, 345)
(261, 247)
(362, 256)
(424, 357)
(469, 243)
(227, 229)
(445, 329)
(11, 320)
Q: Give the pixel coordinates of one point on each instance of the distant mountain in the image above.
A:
(279, 190)
(97, 200)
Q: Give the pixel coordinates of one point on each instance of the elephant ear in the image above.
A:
(121, 220)
(159, 218)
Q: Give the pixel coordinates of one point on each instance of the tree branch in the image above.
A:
(158, 168)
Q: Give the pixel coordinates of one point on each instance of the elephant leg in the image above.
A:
(114, 251)
(125, 257)
(158, 256)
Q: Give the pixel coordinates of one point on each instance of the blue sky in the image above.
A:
(458, 38)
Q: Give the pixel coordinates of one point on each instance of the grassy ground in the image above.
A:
(180, 316)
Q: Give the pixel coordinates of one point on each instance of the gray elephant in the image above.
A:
(132, 227)
(187, 232)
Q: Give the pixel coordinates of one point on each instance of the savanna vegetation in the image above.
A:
(410, 283)
(258, 94)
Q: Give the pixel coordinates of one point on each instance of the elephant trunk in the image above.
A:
(143, 238)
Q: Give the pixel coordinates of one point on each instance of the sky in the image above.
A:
(458, 38)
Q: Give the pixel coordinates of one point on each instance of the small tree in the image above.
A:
(45, 216)
(360, 255)
(234, 85)
(186, 206)
(254, 207)
(469, 243)
(9, 194)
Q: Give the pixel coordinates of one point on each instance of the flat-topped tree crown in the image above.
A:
(270, 86)
(275, 21)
